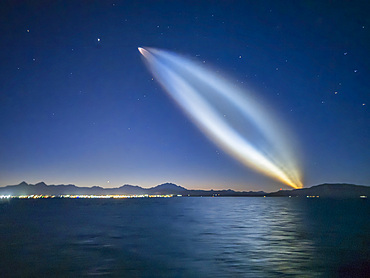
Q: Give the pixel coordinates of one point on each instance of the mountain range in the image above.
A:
(323, 190)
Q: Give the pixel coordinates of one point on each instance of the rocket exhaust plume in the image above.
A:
(232, 118)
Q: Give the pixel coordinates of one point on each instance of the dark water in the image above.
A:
(185, 237)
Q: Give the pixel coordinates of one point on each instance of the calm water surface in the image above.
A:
(185, 237)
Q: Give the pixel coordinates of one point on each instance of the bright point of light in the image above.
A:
(142, 51)
(248, 133)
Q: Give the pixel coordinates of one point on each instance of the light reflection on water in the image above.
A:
(185, 237)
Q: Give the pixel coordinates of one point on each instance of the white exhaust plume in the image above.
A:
(229, 116)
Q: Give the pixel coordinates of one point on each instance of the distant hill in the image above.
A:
(337, 190)
(167, 188)
(163, 189)
(324, 190)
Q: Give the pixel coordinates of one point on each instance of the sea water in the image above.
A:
(185, 237)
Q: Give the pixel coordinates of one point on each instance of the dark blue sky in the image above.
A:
(77, 104)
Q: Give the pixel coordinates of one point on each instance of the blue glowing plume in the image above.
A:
(232, 118)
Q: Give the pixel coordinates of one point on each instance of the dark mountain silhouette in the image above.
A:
(168, 188)
(337, 190)
(42, 189)
(163, 189)
(323, 190)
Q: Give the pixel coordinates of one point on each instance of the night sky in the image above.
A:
(78, 105)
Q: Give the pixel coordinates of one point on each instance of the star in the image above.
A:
(98, 39)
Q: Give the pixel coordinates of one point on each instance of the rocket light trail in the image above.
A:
(232, 118)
